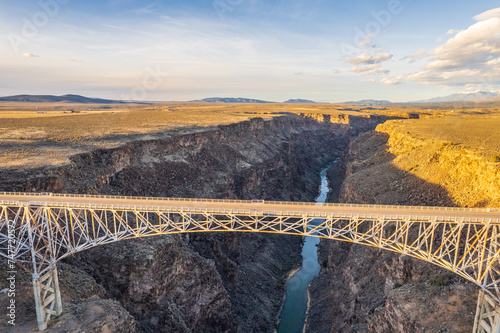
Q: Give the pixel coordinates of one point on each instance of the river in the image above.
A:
(293, 313)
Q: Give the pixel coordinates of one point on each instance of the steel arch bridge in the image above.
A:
(38, 230)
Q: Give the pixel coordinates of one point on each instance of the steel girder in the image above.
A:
(36, 237)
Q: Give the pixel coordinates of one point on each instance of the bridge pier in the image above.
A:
(47, 297)
(487, 314)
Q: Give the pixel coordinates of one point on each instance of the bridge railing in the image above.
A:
(291, 203)
(254, 212)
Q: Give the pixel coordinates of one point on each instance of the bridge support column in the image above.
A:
(487, 314)
(47, 297)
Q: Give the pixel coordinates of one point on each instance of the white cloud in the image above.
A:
(451, 32)
(478, 38)
(369, 63)
(389, 81)
(365, 40)
(368, 80)
(368, 58)
(371, 69)
(471, 57)
(420, 54)
(492, 13)
(30, 55)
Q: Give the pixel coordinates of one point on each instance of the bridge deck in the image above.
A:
(481, 215)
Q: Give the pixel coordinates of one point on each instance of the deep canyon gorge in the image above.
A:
(236, 282)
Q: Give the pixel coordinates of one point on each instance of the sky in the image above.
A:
(322, 50)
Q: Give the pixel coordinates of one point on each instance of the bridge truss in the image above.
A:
(37, 235)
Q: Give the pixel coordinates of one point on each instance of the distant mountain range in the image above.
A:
(300, 101)
(249, 100)
(466, 97)
(231, 100)
(370, 102)
(470, 97)
(86, 100)
(56, 99)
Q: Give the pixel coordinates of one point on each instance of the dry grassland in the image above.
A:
(436, 110)
(36, 134)
(478, 133)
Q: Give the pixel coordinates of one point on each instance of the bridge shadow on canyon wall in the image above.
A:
(363, 289)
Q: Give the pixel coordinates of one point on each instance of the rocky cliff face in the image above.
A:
(201, 282)
(361, 289)
(470, 178)
(357, 123)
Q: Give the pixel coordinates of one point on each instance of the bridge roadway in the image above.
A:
(259, 207)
